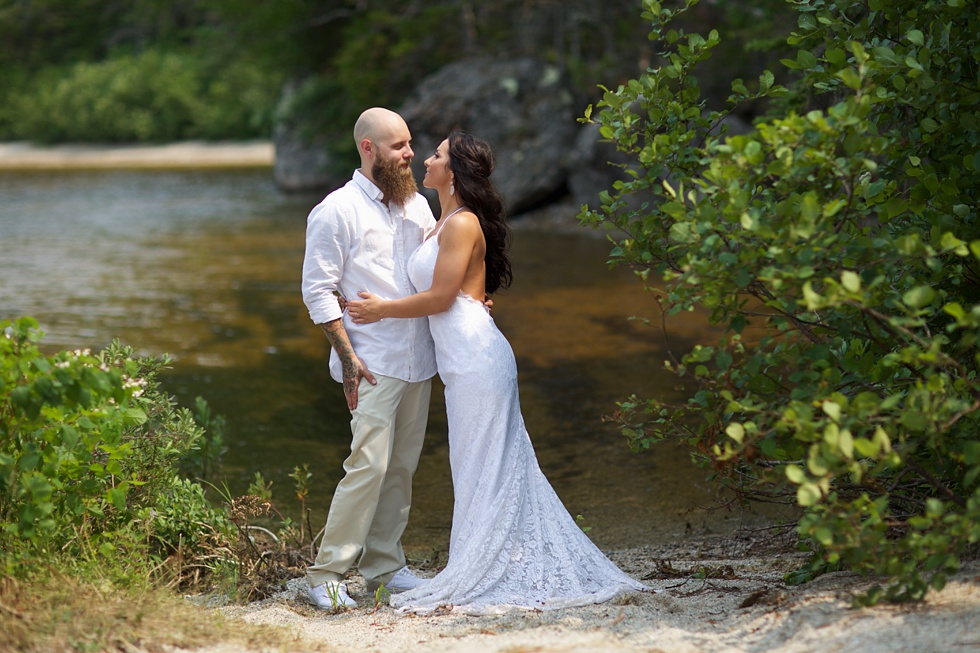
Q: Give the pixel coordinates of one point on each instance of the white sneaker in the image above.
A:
(330, 595)
(402, 581)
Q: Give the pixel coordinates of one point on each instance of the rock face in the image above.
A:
(522, 107)
(302, 160)
(593, 167)
(301, 164)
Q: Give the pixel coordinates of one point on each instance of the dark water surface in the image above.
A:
(205, 266)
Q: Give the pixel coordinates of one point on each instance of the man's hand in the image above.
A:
(354, 371)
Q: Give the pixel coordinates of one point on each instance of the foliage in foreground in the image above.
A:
(101, 478)
(89, 453)
(838, 250)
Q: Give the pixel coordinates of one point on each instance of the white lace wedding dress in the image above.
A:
(513, 543)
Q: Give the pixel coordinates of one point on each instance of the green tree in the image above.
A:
(836, 247)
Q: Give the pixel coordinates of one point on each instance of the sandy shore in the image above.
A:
(742, 606)
(188, 154)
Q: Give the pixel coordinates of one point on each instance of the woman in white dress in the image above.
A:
(512, 544)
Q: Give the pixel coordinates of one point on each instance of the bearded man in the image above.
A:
(360, 237)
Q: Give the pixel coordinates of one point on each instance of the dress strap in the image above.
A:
(443, 222)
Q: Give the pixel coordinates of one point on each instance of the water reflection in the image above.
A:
(205, 266)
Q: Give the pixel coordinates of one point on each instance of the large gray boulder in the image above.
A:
(523, 107)
(302, 157)
(594, 167)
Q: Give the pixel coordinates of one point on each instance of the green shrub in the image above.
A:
(155, 96)
(183, 519)
(837, 250)
(89, 446)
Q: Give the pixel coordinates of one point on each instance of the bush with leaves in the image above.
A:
(154, 96)
(89, 446)
(836, 249)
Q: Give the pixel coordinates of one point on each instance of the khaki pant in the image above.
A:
(370, 506)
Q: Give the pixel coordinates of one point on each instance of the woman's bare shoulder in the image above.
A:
(462, 226)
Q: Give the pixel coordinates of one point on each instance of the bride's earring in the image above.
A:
(452, 189)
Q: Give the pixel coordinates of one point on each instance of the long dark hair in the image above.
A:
(471, 160)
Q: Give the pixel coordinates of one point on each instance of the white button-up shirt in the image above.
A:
(353, 243)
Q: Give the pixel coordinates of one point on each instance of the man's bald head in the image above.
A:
(375, 124)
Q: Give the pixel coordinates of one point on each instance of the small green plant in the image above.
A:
(301, 479)
(333, 591)
(260, 487)
(381, 597)
(204, 460)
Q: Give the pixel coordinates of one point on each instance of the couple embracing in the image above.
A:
(416, 290)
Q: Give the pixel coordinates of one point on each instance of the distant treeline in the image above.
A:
(163, 70)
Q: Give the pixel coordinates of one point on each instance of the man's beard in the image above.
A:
(398, 184)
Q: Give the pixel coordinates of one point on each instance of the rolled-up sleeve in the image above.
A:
(327, 245)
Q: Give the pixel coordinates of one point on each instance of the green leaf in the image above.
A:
(681, 232)
(766, 80)
(832, 409)
(851, 281)
(736, 432)
(895, 206)
(850, 78)
(846, 443)
(795, 474)
(813, 300)
(117, 497)
(919, 297)
(806, 59)
(808, 494)
(865, 448)
(836, 56)
(815, 462)
(824, 535)
(954, 309)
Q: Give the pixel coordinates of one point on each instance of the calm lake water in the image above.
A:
(205, 266)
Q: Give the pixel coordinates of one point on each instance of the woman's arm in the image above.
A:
(456, 242)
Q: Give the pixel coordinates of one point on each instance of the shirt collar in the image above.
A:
(369, 187)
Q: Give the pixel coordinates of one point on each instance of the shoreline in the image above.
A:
(738, 603)
(25, 156)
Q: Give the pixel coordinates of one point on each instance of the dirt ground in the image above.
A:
(739, 603)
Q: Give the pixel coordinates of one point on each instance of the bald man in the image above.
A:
(359, 238)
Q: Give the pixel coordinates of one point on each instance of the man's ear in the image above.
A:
(367, 147)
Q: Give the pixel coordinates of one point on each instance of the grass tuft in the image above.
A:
(56, 612)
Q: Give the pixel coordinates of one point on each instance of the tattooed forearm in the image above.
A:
(337, 335)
